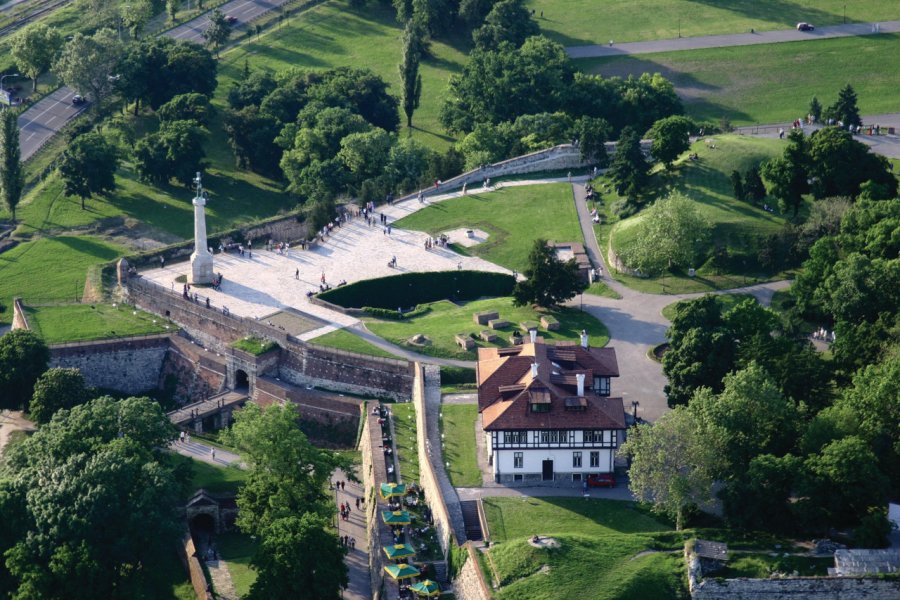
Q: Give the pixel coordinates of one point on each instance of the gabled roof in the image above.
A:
(598, 413)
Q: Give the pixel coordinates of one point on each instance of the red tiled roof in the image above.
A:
(600, 413)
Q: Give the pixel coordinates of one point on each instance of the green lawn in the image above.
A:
(458, 431)
(627, 553)
(47, 270)
(574, 22)
(446, 319)
(405, 440)
(213, 478)
(598, 288)
(772, 83)
(762, 565)
(75, 322)
(236, 549)
(344, 340)
(726, 302)
(736, 225)
(334, 35)
(513, 217)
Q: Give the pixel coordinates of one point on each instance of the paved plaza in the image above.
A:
(269, 282)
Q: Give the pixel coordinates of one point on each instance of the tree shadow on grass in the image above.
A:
(782, 12)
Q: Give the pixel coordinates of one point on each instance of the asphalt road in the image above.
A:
(47, 117)
(737, 39)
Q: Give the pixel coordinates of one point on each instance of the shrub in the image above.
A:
(412, 289)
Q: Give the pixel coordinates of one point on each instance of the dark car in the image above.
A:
(231, 19)
(601, 480)
(77, 99)
(805, 27)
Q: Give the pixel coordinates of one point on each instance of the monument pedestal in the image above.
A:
(201, 260)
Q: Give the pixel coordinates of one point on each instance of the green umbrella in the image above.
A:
(401, 571)
(399, 551)
(397, 517)
(389, 490)
(426, 588)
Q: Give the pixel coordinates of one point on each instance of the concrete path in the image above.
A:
(459, 398)
(735, 39)
(885, 144)
(360, 586)
(12, 420)
(206, 453)
(620, 492)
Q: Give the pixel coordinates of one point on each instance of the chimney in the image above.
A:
(580, 378)
(532, 333)
(584, 339)
(534, 370)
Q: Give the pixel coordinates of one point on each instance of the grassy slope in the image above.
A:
(344, 340)
(446, 319)
(574, 22)
(513, 217)
(236, 549)
(49, 269)
(72, 322)
(405, 440)
(772, 83)
(600, 537)
(334, 35)
(458, 428)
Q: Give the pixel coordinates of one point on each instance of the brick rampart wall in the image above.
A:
(129, 365)
(470, 583)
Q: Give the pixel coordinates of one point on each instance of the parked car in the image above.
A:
(77, 99)
(601, 480)
(231, 19)
(803, 26)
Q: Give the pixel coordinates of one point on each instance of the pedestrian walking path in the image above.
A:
(206, 453)
(734, 39)
(354, 528)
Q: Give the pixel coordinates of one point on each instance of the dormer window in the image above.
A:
(602, 386)
(540, 407)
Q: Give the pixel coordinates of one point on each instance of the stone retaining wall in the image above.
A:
(469, 583)
(129, 365)
(187, 553)
(198, 374)
(374, 473)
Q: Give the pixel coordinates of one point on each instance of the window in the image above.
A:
(593, 436)
(576, 476)
(518, 477)
(518, 461)
(553, 436)
(576, 460)
(595, 460)
(540, 408)
(603, 385)
(514, 437)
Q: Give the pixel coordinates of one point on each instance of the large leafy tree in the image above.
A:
(840, 165)
(34, 48)
(23, 358)
(88, 63)
(90, 503)
(508, 21)
(175, 151)
(218, 31)
(548, 280)
(788, 175)
(186, 107)
(672, 233)
(674, 463)
(12, 177)
(56, 389)
(592, 134)
(760, 496)
(630, 170)
(671, 137)
(89, 166)
(135, 15)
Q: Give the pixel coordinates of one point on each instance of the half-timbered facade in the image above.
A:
(547, 411)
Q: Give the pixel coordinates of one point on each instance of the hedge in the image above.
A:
(411, 289)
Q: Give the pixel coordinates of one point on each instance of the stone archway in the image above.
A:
(241, 380)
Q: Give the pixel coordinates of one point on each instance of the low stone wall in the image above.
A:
(470, 583)
(129, 365)
(354, 312)
(187, 552)
(20, 321)
(374, 474)
(440, 495)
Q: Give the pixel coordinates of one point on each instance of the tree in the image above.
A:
(508, 21)
(548, 280)
(840, 165)
(109, 517)
(815, 109)
(845, 110)
(673, 463)
(737, 185)
(671, 137)
(87, 63)
(12, 177)
(56, 389)
(788, 175)
(34, 48)
(410, 79)
(366, 154)
(186, 107)
(593, 133)
(754, 189)
(629, 170)
(760, 496)
(286, 569)
(23, 358)
(135, 16)
(175, 151)
(89, 166)
(672, 233)
(251, 135)
(172, 8)
(218, 32)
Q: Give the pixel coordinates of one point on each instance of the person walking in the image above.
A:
(212, 451)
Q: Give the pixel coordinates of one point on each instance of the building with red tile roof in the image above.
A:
(547, 411)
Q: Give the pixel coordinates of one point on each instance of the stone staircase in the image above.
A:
(470, 518)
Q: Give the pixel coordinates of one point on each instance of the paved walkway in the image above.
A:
(206, 453)
(620, 492)
(886, 145)
(12, 420)
(735, 39)
(360, 586)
